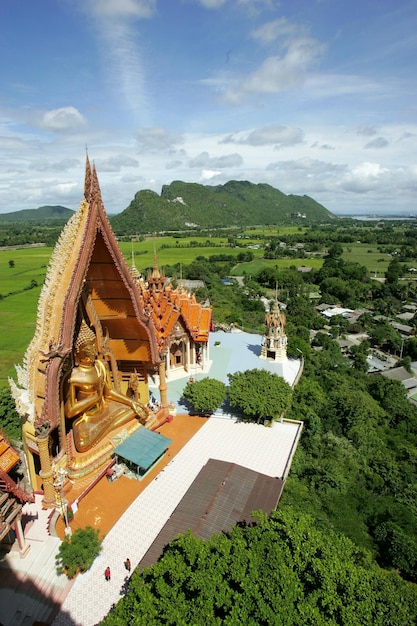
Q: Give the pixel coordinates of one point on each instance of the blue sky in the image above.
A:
(315, 97)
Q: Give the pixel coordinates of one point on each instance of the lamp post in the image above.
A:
(59, 479)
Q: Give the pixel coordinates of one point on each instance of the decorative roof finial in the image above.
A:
(87, 178)
(155, 272)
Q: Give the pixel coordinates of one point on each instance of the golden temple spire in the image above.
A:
(87, 179)
(155, 272)
(95, 187)
(134, 270)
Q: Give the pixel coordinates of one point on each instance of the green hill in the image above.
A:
(237, 203)
(43, 213)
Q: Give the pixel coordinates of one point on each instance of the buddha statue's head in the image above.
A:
(85, 351)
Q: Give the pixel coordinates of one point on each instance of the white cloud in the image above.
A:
(157, 139)
(322, 86)
(366, 131)
(270, 31)
(172, 165)
(365, 177)
(279, 73)
(116, 163)
(323, 146)
(379, 142)
(63, 189)
(121, 8)
(65, 119)
(255, 6)
(43, 165)
(212, 4)
(209, 174)
(268, 135)
(312, 167)
(250, 5)
(116, 29)
(203, 160)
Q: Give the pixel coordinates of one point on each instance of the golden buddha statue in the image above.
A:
(91, 398)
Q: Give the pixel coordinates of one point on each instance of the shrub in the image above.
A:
(77, 553)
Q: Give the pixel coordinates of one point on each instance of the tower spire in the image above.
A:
(155, 272)
(95, 192)
(87, 178)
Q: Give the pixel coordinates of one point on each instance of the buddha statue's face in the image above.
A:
(87, 354)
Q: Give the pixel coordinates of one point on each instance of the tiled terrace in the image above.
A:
(266, 450)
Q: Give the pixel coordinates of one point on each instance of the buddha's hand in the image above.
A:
(137, 407)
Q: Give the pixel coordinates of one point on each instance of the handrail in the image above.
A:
(9, 485)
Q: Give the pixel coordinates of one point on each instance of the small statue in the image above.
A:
(90, 397)
(133, 386)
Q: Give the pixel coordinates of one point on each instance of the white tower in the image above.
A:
(274, 342)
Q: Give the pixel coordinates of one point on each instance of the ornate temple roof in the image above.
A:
(86, 264)
(8, 455)
(171, 308)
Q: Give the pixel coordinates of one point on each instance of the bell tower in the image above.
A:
(274, 342)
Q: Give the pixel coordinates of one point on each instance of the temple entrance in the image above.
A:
(178, 355)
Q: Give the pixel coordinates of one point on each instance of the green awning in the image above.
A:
(143, 448)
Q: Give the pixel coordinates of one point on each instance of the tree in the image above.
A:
(259, 394)
(11, 263)
(283, 570)
(77, 553)
(394, 271)
(205, 395)
(10, 422)
(335, 251)
(383, 334)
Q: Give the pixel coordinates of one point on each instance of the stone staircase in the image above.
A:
(30, 589)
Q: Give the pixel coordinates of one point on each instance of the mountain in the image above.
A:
(237, 203)
(43, 213)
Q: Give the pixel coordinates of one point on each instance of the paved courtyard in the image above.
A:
(235, 352)
(266, 450)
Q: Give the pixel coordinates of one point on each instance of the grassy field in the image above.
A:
(274, 231)
(365, 254)
(17, 322)
(170, 250)
(258, 264)
(18, 311)
(29, 264)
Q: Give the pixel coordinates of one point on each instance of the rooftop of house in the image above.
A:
(408, 380)
(231, 352)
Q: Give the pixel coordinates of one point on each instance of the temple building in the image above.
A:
(274, 342)
(12, 498)
(100, 336)
(181, 323)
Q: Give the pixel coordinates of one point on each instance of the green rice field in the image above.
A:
(18, 304)
(365, 254)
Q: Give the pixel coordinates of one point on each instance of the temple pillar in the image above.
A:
(163, 387)
(46, 473)
(21, 541)
(28, 434)
(167, 362)
(187, 364)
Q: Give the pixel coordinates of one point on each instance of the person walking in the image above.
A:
(128, 565)
(107, 573)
